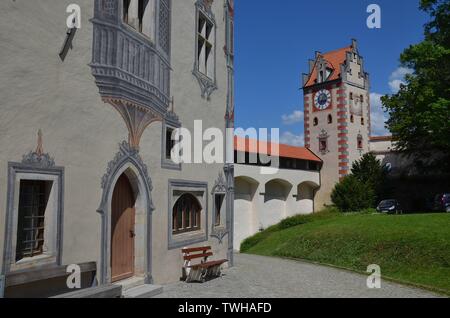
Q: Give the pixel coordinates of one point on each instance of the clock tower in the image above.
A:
(337, 113)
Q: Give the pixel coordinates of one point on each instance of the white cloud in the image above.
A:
(378, 116)
(292, 139)
(397, 78)
(295, 117)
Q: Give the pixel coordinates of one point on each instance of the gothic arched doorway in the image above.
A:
(122, 230)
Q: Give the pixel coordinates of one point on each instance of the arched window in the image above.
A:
(351, 96)
(361, 99)
(316, 121)
(186, 214)
(352, 119)
(330, 119)
(362, 121)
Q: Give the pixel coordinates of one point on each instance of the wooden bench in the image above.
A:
(203, 270)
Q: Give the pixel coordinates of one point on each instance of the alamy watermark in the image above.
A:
(374, 279)
(374, 19)
(208, 146)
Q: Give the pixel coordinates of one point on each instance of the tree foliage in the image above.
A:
(370, 170)
(351, 194)
(420, 111)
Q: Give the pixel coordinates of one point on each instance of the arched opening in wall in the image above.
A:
(362, 121)
(352, 119)
(277, 189)
(123, 213)
(305, 196)
(330, 119)
(245, 224)
(275, 202)
(315, 121)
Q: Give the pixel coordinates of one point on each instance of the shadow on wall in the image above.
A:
(277, 190)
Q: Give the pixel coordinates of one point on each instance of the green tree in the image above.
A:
(370, 170)
(352, 195)
(420, 111)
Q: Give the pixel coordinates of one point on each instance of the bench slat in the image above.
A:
(191, 257)
(209, 264)
(196, 249)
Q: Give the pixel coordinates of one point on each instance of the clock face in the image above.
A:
(323, 99)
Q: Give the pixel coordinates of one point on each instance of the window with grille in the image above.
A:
(33, 199)
(205, 40)
(186, 214)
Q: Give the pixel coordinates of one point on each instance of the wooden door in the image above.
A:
(122, 230)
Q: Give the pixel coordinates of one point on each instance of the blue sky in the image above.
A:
(275, 39)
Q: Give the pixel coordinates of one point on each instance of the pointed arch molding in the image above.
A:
(127, 158)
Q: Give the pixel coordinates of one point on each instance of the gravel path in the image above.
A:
(265, 277)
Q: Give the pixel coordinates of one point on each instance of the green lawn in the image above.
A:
(413, 248)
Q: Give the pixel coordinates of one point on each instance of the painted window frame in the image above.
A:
(167, 163)
(16, 173)
(207, 84)
(219, 189)
(187, 238)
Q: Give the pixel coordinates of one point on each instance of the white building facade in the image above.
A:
(86, 118)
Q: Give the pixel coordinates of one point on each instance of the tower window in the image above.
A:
(321, 77)
(360, 142)
(323, 145)
(362, 121)
(330, 119)
(352, 119)
(316, 121)
(361, 98)
(351, 96)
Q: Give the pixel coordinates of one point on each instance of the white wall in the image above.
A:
(264, 200)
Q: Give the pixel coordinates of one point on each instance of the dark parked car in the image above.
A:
(390, 207)
(442, 202)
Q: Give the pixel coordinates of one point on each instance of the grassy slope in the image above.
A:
(410, 248)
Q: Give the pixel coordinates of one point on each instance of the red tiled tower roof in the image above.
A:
(334, 60)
